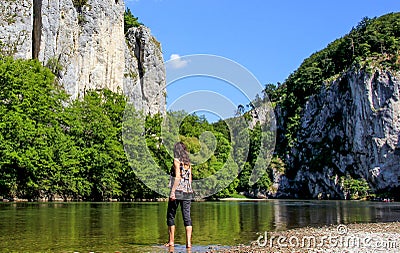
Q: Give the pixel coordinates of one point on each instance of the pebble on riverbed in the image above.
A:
(380, 237)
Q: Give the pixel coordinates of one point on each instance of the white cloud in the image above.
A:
(177, 62)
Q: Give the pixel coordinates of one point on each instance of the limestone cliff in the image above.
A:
(16, 24)
(144, 77)
(352, 127)
(86, 47)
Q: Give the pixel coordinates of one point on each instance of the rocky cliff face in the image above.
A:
(86, 47)
(87, 43)
(144, 77)
(352, 127)
(16, 24)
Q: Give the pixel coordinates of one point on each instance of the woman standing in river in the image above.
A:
(181, 193)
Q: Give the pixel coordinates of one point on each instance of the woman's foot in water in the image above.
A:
(188, 237)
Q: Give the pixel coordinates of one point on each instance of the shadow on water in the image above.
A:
(141, 227)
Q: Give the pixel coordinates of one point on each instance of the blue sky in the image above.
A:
(269, 38)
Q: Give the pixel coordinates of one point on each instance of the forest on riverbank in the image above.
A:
(54, 148)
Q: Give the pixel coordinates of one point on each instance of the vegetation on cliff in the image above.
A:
(130, 20)
(372, 43)
(372, 40)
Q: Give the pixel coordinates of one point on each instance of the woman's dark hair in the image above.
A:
(181, 153)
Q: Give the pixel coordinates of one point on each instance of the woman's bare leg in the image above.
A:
(171, 233)
(188, 236)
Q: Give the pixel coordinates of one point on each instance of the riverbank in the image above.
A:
(60, 200)
(365, 237)
(241, 199)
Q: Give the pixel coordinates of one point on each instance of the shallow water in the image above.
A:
(141, 227)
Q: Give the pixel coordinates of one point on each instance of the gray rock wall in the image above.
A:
(16, 24)
(353, 128)
(144, 76)
(87, 43)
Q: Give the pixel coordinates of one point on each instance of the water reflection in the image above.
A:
(111, 227)
(293, 214)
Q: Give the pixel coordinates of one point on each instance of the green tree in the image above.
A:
(355, 188)
(130, 20)
(30, 108)
(95, 125)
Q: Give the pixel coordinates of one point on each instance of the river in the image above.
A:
(140, 226)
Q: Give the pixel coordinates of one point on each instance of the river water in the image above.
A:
(141, 226)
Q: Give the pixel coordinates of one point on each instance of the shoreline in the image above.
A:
(233, 199)
(242, 199)
(354, 237)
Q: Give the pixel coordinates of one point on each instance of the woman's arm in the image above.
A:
(176, 179)
(190, 178)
